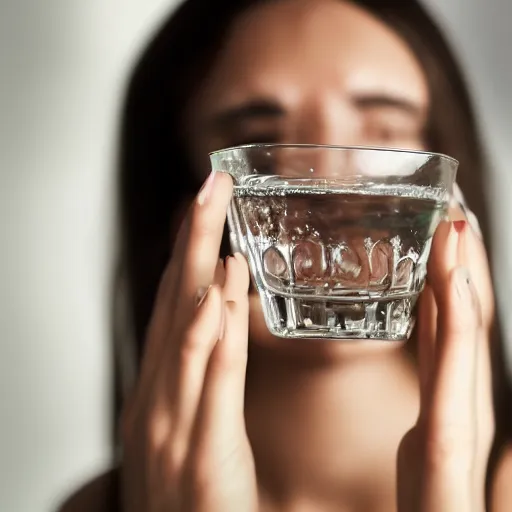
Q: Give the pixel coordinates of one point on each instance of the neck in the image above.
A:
(316, 413)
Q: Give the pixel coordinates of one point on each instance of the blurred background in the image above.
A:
(63, 67)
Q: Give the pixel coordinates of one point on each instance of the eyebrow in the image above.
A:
(254, 109)
(383, 101)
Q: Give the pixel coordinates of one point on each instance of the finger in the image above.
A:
(454, 394)
(197, 254)
(443, 254)
(237, 278)
(163, 315)
(442, 259)
(458, 317)
(165, 302)
(479, 269)
(186, 374)
(222, 404)
(164, 318)
(427, 327)
(478, 265)
(206, 215)
(207, 221)
(450, 431)
(485, 422)
(471, 252)
(219, 278)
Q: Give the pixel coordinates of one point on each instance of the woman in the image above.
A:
(330, 426)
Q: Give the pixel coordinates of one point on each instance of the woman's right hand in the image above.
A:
(443, 459)
(185, 442)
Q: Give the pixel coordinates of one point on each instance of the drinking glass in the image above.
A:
(337, 238)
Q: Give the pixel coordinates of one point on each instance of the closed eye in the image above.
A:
(258, 110)
(390, 103)
(392, 121)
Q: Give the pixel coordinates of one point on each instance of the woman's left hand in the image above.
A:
(442, 461)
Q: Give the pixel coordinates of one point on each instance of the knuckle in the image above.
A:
(225, 361)
(156, 429)
(448, 447)
(174, 462)
(190, 346)
(204, 466)
(199, 473)
(195, 340)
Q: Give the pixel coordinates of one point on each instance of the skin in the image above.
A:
(308, 426)
(185, 424)
(367, 89)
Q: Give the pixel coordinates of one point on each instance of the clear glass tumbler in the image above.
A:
(337, 238)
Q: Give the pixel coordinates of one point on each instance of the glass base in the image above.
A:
(383, 319)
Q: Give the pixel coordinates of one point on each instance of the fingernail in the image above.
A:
(204, 193)
(459, 225)
(201, 295)
(459, 201)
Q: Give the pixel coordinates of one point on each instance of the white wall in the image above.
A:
(481, 34)
(62, 66)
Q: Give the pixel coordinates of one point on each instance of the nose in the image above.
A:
(328, 120)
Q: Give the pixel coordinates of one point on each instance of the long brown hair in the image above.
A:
(156, 175)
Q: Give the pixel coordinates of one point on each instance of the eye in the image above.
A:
(393, 134)
(392, 127)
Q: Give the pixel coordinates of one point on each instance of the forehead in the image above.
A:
(294, 45)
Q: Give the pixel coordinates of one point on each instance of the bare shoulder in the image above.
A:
(99, 495)
(502, 485)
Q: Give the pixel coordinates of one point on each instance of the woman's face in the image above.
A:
(308, 72)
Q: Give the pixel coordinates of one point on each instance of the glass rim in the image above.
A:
(337, 148)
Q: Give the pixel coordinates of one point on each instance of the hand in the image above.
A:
(442, 461)
(185, 443)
